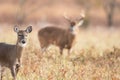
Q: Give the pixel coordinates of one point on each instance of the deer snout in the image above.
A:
(23, 41)
(71, 28)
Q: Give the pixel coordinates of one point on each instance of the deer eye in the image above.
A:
(20, 35)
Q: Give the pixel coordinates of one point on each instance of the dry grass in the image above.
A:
(95, 56)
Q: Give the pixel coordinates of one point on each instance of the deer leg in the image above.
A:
(61, 51)
(44, 46)
(1, 72)
(43, 50)
(13, 71)
(70, 51)
(17, 68)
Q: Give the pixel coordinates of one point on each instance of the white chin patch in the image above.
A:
(22, 45)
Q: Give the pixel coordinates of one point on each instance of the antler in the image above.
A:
(66, 17)
(80, 20)
(72, 23)
(82, 16)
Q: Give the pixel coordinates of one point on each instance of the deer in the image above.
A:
(10, 55)
(58, 36)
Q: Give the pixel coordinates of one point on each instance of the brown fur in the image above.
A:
(56, 36)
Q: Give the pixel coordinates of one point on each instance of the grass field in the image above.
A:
(95, 56)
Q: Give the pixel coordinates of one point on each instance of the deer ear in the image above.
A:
(29, 29)
(16, 29)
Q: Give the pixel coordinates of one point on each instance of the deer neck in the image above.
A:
(19, 50)
(75, 30)
(76, 27)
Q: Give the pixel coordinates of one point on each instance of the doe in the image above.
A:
(10, 55)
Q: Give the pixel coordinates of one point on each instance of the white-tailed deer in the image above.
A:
(59, 37)
(10, 55)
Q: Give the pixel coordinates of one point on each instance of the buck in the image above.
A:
(10, 55)
(59, 37)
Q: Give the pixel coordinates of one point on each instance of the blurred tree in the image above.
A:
(22, 13)
(20, 17)
(109, 7)
(86, 7)
(118, 5)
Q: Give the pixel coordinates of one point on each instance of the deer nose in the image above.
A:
(23, 42)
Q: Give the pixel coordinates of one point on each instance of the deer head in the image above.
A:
(74, 24)
(22, 35)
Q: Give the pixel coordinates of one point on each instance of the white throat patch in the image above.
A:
(75, 30)
(22, 45)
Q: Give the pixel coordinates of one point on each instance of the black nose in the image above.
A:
(23, 42)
